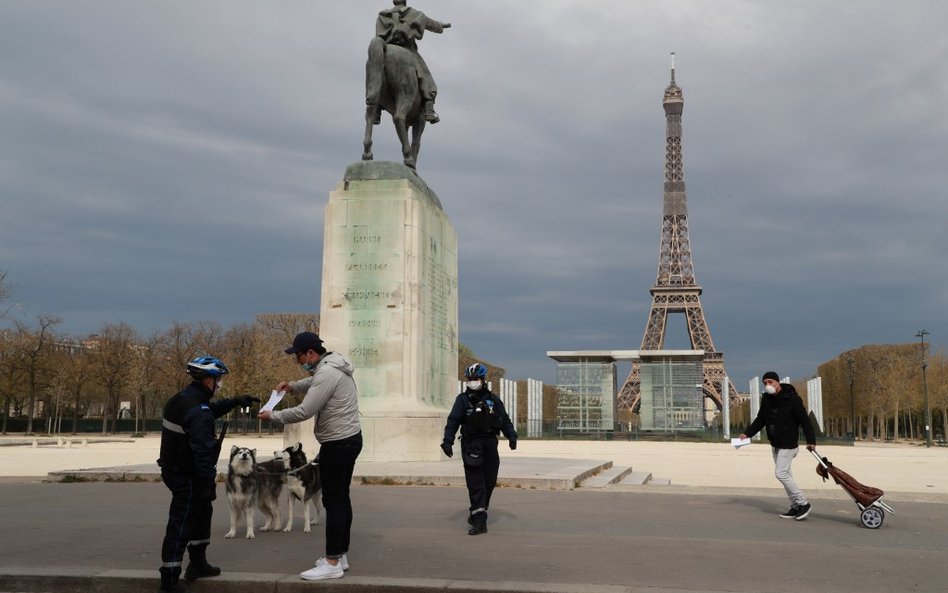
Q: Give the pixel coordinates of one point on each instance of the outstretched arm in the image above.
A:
(436, 26)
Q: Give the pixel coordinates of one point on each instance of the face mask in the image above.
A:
(309, 367)
(473, 385)
(770, 389)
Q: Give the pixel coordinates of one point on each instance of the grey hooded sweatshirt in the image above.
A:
(330, 396)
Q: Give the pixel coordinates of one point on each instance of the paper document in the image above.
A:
(275, 397)
(738, 443)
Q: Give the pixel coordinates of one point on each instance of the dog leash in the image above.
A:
(288, 472)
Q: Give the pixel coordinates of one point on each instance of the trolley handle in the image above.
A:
(818, 458)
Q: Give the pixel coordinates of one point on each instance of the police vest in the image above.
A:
(482, 417)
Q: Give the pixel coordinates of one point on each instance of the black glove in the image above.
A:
(448, 449)
(245, 401)
(512, 443)
(205, 490)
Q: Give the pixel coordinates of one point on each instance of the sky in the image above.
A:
(171, 161)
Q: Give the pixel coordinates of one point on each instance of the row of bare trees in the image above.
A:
(882, 386)
(52, 379)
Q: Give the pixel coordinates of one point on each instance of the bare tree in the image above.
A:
(36, 347)
(112, 353)
(938, 390)
(288, 324)
(5, 292)
(11, 372)
(78, 370)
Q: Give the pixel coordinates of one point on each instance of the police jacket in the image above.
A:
(783, 415)
(480, 414)
(188, 440)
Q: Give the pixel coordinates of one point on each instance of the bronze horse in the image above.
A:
(391, 72)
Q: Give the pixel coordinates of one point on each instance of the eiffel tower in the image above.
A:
(675, 289)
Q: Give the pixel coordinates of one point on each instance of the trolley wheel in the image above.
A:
(872, 517)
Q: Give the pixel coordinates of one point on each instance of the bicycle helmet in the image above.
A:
(207, 366)
(476, 371)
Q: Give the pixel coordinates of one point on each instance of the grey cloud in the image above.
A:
(137, 138)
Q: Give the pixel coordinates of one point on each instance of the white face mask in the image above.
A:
(770, 389)
(474, 385)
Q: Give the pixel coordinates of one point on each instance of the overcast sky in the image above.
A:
(170, 161)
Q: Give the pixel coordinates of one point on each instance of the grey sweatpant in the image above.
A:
(782, 460)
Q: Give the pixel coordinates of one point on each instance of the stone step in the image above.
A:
(659, 482)
(609, 476)
(635, 479)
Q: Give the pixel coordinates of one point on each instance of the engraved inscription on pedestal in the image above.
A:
(389, 300)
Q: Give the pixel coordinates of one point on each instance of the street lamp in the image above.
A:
(852, 396)
(928, 413)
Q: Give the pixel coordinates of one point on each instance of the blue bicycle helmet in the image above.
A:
(476, 371)
(207, 366)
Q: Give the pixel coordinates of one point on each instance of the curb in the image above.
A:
(77, 580)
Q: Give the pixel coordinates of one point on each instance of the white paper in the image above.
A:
(738, 443)
(275, 398)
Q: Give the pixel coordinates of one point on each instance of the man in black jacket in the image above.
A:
(188, 461)
(782, 413)
(481, 415)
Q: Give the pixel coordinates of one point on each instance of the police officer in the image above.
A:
(481, 415)
(188, 461)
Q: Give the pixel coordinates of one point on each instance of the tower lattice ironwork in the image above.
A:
(675, 289)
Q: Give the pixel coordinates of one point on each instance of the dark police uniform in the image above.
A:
(188, 461)
(481, 416)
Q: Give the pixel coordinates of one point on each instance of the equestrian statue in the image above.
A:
(398, 80)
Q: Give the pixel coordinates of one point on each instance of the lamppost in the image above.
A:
(852, 396)
(928, 413)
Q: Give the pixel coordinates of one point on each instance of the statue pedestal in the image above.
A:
(389, 303)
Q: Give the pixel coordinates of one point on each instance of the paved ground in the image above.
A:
(689, 537)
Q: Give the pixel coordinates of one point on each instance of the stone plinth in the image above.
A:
(389, 303)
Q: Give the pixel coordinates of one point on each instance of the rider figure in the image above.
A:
(404, 26)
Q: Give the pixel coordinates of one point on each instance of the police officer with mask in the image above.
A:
(481, 416)
(188, 461)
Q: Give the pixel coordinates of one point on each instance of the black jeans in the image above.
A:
(480, 478)
(336, 464)
(189, 523)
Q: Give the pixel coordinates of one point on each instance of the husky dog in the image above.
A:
(242, 488)
(303, 484)
(271, 477)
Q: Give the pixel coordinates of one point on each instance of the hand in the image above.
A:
(245, 401)
(448, 449)
(264, 415)
(512, 443)
(811, 447)
(743, 436)
(282, 386)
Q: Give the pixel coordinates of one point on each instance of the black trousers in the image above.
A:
(189, 523)
(480, 472)
(336, 464)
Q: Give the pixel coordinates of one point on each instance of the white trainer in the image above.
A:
(323, 570)
(343, 561)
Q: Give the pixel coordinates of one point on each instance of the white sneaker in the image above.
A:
(343, 561)
(323, 570)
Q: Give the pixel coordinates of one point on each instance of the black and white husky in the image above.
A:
(242, 488)
(303, 484)
(271, 478)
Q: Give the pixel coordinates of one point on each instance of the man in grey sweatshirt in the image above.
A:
(330, 396)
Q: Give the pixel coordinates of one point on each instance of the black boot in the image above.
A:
(170, 582)
(199, 568)
(478, 523)
(199, 571)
